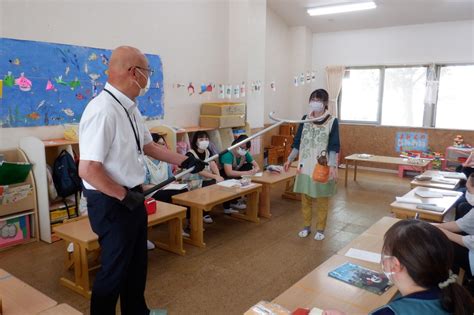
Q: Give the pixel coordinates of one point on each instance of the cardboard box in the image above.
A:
(227, 121)
(223, 109)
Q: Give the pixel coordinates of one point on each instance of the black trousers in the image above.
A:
(245, 167)
(461, 259)
(122, 238)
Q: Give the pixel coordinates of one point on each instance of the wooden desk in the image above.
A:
(85, 240)
(18, 298)
(61, 309)
(204, 199)
(381, 226)
(268, 179)
(317, 289)
(407, 210)
(380, 159)
(453, 183)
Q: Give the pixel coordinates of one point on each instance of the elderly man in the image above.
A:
(113, 140)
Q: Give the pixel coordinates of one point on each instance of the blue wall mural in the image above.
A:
(51, 84)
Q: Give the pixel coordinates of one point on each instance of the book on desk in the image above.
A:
(361, 277)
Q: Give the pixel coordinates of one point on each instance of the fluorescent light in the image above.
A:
(350, 7)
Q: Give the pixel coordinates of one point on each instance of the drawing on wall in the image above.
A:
(411, 141)
(48, 84)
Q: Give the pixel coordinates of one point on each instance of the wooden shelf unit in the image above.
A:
(25, 207)
(42, 152)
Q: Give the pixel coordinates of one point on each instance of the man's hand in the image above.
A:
(286, 166)
(192, 161)
(133, 199)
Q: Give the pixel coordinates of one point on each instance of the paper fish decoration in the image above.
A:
(272, 86)
(8, 80)
(313, 76)
(94, 76)
(236, 91)
(308, 77)
(92, 57)
(15, 61)
(33, 115)
(209, 88)
(228, 91)
(49, 86)
(295, 81)
(59, 80)
(302, 79)
(68, 112)
(190, 88)
(74, 84)
(242, 89)
(203, 88)
(23, 83)
(41, 104)
(79, 96)
(104, 59)
(221, 91)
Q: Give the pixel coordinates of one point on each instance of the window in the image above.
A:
(403, 96)
(360, 100)
(455, 107)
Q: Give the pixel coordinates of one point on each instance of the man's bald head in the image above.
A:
(122, 66)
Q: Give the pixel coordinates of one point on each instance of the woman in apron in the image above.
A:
(315, 140)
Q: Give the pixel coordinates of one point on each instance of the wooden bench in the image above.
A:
(268, 180)
(18, 298)
(80, 233)
(204, 199)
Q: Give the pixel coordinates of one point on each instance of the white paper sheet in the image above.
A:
(453, 175)
(175, 186)
(363, 255)
(230, 183)
(259, 174)
(408, 200)
(428, 194)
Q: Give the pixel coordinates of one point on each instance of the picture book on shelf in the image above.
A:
(361, 277)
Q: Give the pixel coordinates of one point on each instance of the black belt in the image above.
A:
(137, 188)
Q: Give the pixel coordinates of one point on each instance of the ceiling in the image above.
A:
(388, 13)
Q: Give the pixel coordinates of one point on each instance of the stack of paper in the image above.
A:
(363, 255)
(230, 183)
(407, 200)
(174, 186)
(428, 194)
(453, 175)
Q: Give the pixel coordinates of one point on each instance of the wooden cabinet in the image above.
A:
(19, 218)
(42, 153)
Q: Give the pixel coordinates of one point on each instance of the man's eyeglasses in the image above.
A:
(150, 71)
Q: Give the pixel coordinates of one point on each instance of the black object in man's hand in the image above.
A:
(133, 199)
(192, 161)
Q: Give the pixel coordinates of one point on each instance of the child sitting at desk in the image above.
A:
(157, 172)
(210, 175)
(236, 163)
(416, 257)
(463, 244)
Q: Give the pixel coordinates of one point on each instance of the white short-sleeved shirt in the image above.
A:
(106, 136)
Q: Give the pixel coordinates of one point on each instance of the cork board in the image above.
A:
(380, 140)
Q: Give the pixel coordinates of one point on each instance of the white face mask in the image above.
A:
(147, 86)
(316, 106)
(388, 274)
(241, 151)
(470, 198)
(203, 144)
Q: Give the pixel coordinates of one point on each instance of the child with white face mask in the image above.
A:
(463, 244)
(236, 163)
(200, 150)
(417, 258)
(313, 140)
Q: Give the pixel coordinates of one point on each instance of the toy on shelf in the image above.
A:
(459, 142)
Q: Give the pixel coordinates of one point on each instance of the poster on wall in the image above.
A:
(411, 141)
(46, 84)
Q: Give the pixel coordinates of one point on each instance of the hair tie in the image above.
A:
(451, 279)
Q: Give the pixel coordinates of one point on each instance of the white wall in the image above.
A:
(450, 42)
(277, 66)
(190, 36)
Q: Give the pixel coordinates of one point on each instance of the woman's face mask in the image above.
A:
(203, 144)
(316, 106)
(385, 261)
(241, 151)
(470, 198)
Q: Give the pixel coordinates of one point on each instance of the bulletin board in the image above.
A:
(43, 84)
(409, 141)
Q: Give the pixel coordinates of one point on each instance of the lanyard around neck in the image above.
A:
(135, 132)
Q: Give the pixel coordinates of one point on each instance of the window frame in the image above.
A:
(429, 116)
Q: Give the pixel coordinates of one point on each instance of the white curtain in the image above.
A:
(334, 76)
(431, 94)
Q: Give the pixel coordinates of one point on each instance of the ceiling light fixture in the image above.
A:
(340, 8)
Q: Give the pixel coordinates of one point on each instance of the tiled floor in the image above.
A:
(243, 262)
